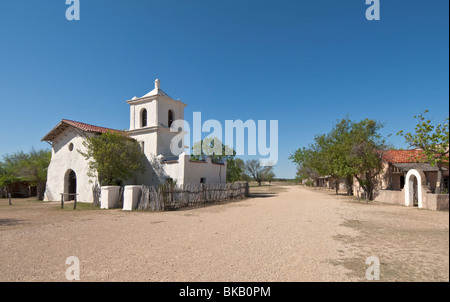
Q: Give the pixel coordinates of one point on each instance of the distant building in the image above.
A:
(409, 180)
(406, 179)
(399, 162)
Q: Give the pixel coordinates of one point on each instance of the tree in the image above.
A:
(6, 178)
(434, 141)
(213, 148)
(243, 176)
(350, 150)
(306, 173)
(26, 167)
(235, 168)
(257, 172)
(366, 155)
(113, 157)
(328, 155)
(307, 163)
(270, 176)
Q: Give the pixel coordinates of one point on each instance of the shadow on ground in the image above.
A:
(262, 195)
(11, 222)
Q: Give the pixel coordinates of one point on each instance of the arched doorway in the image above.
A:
(70, 185)
(414, 182)
(414, 191)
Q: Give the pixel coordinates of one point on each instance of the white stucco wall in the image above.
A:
(150, 142)
(166, 104)
(163, 142)
(185, 171)
(135, 114)
(64, 160)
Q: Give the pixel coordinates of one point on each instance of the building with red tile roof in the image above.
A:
(151, 117)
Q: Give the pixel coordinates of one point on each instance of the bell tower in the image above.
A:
(150, 119)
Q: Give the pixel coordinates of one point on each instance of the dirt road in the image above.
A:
(296, 234)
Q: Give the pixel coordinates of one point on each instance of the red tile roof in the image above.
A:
(90, 128)
(64, 124)
(404, 156)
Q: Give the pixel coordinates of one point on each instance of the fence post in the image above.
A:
(75, 202)
(62, 200)
(203, 186)
(9, 196)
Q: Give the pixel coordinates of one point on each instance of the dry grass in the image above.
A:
(412, 244)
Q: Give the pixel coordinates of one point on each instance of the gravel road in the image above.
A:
(289, 236)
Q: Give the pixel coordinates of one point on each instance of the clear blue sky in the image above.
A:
(305, 63)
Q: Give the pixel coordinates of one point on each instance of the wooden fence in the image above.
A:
(169, 197)
(96, 191)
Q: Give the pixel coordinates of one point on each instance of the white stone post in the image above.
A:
(131, 197)
(110, 197)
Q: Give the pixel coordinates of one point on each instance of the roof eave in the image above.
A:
(46, 137)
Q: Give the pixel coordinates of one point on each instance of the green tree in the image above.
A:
(328, 156)
(213, 148)
(305, 172)
(113, 157)
(234, 169)
(434, 141)
(243, 176)
(26, 167)
(349, 150)
(366, 155)
(7, 179)
(308, 163)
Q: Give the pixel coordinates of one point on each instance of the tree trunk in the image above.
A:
(369, 187)
(349, 186)
(259, 183)
(439, 180)
(40, 191)
(336, 183)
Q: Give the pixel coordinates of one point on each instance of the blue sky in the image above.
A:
(304, 63)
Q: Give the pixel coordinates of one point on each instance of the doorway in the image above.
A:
(414, 188)
(70, 185)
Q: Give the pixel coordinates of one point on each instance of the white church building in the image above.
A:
(150, 119)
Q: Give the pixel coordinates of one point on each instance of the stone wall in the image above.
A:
(391, 197)
(436, 202)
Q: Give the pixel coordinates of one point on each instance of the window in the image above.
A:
(203, 180)
(170, 119)
(144, 118)
(70, 147)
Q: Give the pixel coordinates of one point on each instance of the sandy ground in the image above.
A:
(281, 234)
